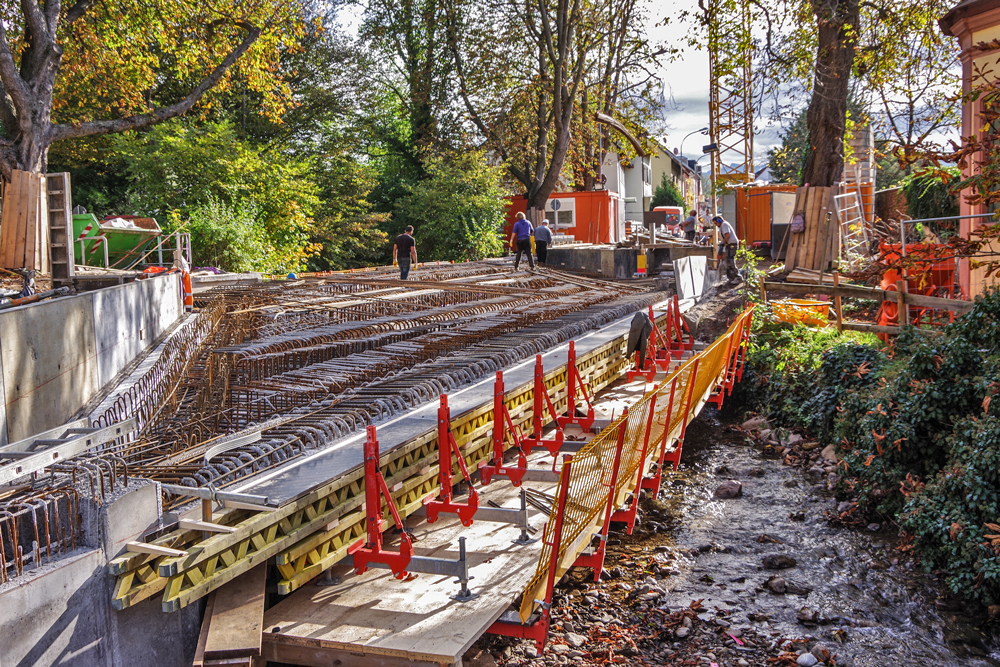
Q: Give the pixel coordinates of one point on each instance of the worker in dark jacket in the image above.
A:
(639, 332)
(543, 239)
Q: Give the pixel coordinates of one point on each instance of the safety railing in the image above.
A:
(608, 467)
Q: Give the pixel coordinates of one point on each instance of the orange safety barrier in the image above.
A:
(596, 481)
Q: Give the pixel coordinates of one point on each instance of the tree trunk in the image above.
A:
(839, 23)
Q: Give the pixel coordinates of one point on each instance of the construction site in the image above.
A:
(625, 409)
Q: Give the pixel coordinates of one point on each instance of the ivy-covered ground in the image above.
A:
(918, 442)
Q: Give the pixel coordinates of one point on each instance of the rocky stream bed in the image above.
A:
(764, 578)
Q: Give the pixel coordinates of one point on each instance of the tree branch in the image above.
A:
(77, 11)
(72, 130)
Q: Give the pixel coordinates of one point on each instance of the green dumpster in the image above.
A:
(126, 239)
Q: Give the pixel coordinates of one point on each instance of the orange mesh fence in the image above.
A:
(591, 473)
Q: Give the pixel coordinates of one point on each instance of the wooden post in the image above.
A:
(904, 312)
(821, 250)
(836, 303)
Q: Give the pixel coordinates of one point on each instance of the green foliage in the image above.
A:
(457, 211)
(798, 374)
(206, 169)
(919, 441)
(789, 159)
(232, 237)
(749, 289)
(666, 194)
(929, 196)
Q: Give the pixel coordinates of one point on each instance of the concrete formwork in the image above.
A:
(60, 613)
(46, 377)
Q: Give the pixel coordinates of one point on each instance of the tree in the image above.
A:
(666, 194)
(458, 209)
(182, 169)
(819, 54)
(524, 101)
(98, 68)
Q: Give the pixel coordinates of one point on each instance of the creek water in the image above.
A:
(875, 606)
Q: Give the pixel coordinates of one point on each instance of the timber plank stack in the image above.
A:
(233, 623)
(24, 223)
(819, 242)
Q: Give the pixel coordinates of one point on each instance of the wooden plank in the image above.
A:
(153, 549)
(206, 621)
(238, 617)
(859, 292)
(876, 328)
(31, 222)
(5, 225)
(17, 260)
(795, 240)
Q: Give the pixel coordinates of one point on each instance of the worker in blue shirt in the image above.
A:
(520, 240)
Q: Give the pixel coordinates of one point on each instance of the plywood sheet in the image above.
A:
(389, 620)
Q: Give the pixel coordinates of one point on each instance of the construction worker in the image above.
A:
(522, 233)
(186, 288)
(689, 226)
(727, 248)
(404, 249)
(543, 239)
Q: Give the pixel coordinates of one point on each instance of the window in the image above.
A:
(564, 219)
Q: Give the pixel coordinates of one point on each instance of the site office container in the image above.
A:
(589, 217)
(752, 210)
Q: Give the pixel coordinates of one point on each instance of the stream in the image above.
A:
(873, 606)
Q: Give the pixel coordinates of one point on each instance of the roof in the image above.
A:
(963, 10)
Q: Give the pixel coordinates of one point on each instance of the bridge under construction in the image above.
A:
(349, 467)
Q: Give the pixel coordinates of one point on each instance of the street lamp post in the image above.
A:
(703, 130)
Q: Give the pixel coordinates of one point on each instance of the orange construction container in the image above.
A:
(596, 216)
(753, 210)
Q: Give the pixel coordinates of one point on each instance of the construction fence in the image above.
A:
(600, 476)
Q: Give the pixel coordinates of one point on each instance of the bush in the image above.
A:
(929, 196)
(234, 238)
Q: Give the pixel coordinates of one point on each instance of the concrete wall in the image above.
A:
(61, 614)
(55, 355)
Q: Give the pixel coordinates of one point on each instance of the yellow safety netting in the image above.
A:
(592, 468)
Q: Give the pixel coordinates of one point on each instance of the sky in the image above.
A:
(686, 82)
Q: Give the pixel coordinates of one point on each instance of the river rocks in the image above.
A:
(575, 640)
(806, 660)
(829, 453)
(821, 652)
(777, 585)
(807, 616)
(779, 561)
(730, 489)
(683, 632)
(846, 506)
(753, 423)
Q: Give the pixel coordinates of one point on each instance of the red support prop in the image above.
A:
(539, 629)
(573, 382)
(447, 446)
(596, 559)
(371, 551)
(542, 404)
(653, 483)
(629, 514)
(501, 423)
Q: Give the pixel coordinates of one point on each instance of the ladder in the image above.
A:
(60, 220)
(853, 227)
